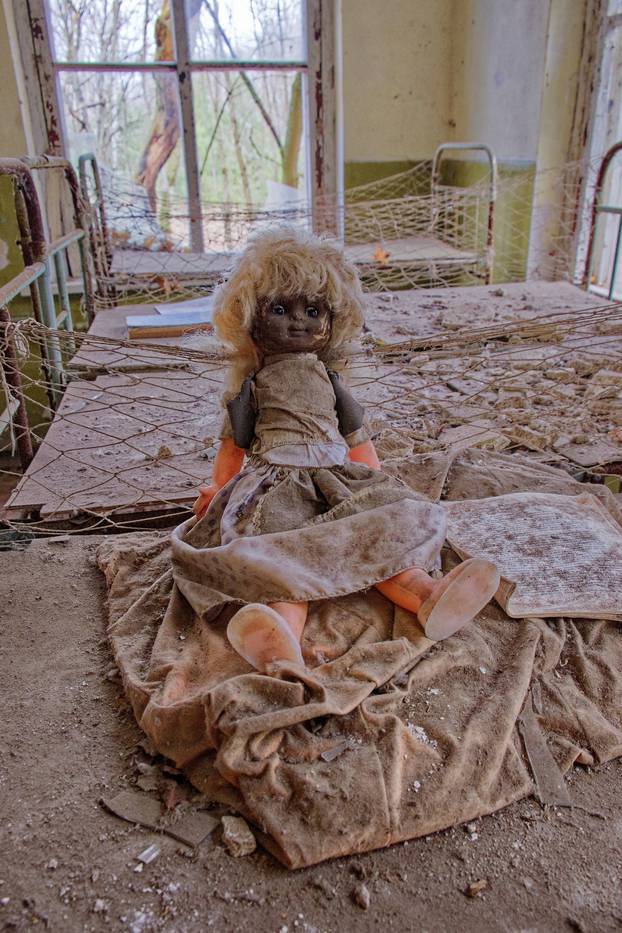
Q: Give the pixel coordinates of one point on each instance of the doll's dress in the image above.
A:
(301, 521)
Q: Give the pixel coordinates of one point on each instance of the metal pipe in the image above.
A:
(33, 250)
(616, 257)
(62, 242)
(60, 264)
(49, 315)
(19, 282)
(33, 228)
(80, 220)
(600, 180)
(10, 367)
(99, 238)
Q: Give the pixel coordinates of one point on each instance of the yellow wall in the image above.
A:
(396, 78)
(14, 136)
(498, 59)
(420, 72)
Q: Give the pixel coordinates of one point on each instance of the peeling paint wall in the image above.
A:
(417, 73)
(396, 78)
(497, 68)
(13, 142)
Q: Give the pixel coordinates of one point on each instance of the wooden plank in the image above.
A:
(420, 249)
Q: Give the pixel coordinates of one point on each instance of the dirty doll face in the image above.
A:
(292, 325)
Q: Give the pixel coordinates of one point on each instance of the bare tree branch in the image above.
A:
(245, 78)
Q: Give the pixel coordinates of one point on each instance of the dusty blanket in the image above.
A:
(386, 736)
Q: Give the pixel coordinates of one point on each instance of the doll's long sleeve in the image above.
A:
(351, 417)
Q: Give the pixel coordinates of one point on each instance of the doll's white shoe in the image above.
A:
(458, 597)
(262, 636)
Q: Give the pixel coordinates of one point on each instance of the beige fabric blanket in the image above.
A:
(386, 736)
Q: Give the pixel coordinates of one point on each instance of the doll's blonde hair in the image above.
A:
(286, 262)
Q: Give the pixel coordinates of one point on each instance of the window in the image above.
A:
(190, 103)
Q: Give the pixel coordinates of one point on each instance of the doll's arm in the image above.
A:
(351, 415)
(227, 464)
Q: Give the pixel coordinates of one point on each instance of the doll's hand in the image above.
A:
(206, 494)
(227, 464)
(365, 453)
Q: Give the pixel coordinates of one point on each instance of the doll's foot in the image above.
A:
(458, 597)
(444, 606)
(261, 635)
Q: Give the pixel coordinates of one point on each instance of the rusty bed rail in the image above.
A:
(44, 262)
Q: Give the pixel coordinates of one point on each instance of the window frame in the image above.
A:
(318, 70)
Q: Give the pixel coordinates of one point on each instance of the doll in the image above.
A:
(312, 482)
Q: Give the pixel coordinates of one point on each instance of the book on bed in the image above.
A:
(172, 321)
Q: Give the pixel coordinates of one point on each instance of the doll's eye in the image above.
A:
(278, 309)
(312, 311)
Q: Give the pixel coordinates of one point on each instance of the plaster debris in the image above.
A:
(476, 887)
(331, 753)
(361, 896)
(419, 733)
(148, 855)
(237, 836)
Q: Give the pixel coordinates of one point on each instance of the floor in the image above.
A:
(69, 737)
(68, 865)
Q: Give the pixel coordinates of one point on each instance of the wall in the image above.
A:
(498, 54)
(417, 73)
(558, 112)
(14, 141)
(396, 84)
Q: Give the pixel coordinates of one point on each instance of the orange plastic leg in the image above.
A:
(408, 589)
(444, 606)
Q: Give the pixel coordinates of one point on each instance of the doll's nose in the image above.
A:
(298, 312)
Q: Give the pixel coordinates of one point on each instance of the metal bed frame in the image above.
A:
(598, 210)
(44, 264)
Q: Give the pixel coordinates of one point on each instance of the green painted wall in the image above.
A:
(9, 233)
(512, 216)
(361, 173)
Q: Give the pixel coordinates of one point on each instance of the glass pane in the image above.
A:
(111, 30)
(268, 30)
(132, 124)
(240, 161)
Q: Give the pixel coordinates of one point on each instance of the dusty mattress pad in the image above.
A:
(386, 735)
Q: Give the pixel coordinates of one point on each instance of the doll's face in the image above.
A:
(292, 325)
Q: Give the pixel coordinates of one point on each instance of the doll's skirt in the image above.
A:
(291, 534)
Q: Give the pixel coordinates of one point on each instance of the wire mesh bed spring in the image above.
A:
(137, 428)
(408, 230)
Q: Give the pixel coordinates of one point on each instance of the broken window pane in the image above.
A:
(265, 30)
(110, 31)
